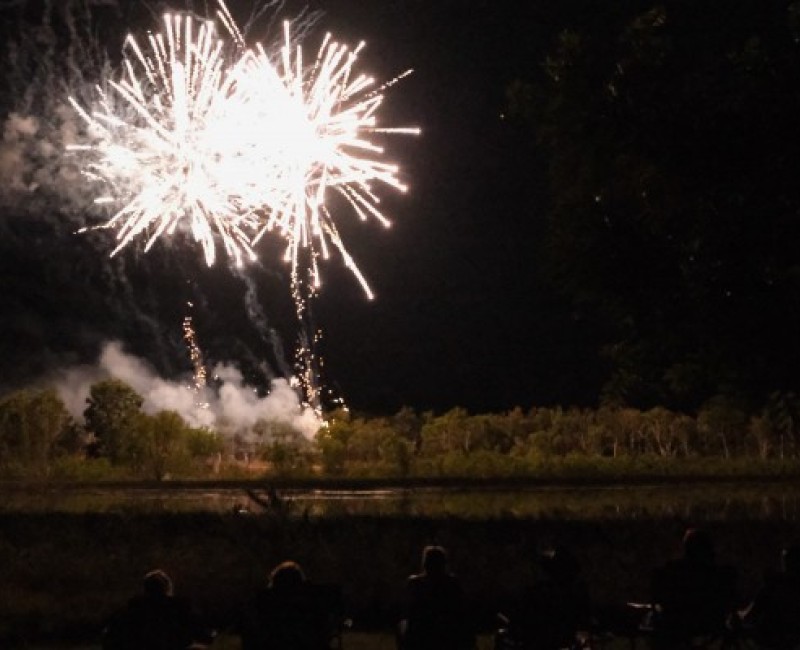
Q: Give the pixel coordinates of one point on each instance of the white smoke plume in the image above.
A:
(233, 407)
(34, 165)
(43, 63)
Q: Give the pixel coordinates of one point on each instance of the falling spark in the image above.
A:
(200, 373)
(202, 133)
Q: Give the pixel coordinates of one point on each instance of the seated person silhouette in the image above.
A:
(435, 612)
(773, 617)
(554, 607)
(693, 596)
(156, 620)
(287, 615)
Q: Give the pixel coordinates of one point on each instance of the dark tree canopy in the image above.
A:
(672, 137)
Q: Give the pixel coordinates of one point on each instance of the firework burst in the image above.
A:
(317, 121)
(161, 142)
(203, 134)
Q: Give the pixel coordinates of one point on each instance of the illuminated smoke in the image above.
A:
(234, 403)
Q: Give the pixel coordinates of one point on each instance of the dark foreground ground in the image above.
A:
(62, 574)
(351, 641)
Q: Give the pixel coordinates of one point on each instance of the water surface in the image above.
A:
(698, 501)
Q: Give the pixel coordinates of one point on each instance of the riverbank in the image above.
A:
(565, 472)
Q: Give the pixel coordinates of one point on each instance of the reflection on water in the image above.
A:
(699, 502)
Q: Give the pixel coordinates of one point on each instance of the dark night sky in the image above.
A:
(462, 316)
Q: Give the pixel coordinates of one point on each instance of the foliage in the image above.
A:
(724, 437)
(332, 443)
(669, 130)
(157, 443)
(203, 443)
(79, 468)
(286, 450)
(163, 444)
(112, 412)
(34, 428)
(607, 442)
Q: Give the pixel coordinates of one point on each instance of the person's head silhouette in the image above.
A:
(434, 560)
(286, 577)
(157, 584)
(790, 557)
(698, 547)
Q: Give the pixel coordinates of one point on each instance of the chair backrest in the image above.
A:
(330, 600)
(694, 600)
(778, 614)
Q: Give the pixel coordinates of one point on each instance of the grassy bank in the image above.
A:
(484, 469)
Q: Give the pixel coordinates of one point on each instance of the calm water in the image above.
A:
(699, 502)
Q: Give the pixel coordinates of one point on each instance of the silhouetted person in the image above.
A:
(288, 615)
(774, 614)
(554, 607)
(155, 619)
(435, 616)
(693, 595)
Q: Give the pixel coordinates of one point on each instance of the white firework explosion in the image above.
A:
(202, 133)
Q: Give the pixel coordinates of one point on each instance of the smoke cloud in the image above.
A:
(35, 164)
(233, 407)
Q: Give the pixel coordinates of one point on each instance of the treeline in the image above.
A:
(116, 439)
(39, 438)
(553, 440)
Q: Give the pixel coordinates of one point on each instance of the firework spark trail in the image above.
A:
(200, 373)
(203, 132)
(307, 369)
(307, 359)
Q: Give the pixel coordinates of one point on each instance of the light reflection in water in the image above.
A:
(714, 502)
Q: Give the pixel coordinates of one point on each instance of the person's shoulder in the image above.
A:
(670, 567)
(264, 598)
(726, 576)
(325, 594)
(454, 586)
(780, 583)
(678, 564)
(453, 580)
(180, 604)
(135, 606)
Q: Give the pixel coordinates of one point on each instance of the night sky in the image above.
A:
(463, 315)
